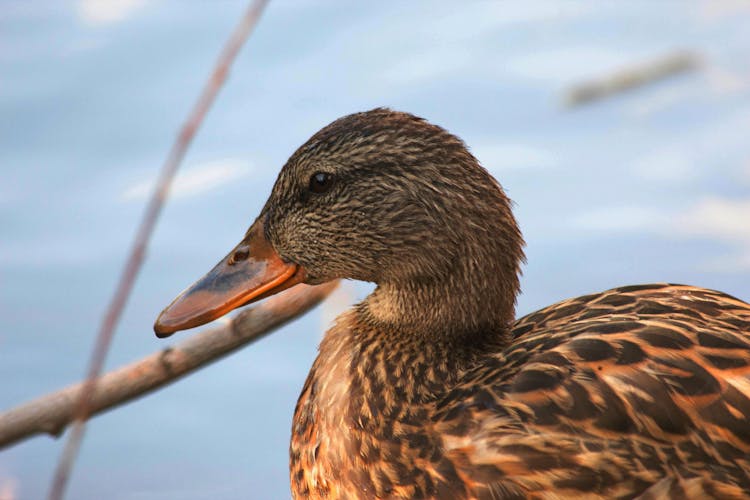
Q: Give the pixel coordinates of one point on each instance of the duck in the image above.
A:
(431, 387)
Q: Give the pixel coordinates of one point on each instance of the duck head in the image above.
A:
(379, 196)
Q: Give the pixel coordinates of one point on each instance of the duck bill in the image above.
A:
(252, 271)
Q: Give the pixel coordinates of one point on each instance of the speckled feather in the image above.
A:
(430, 389)
(640, 390)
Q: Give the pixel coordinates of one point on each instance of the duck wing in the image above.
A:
(641, 390)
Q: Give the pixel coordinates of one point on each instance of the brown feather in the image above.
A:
(430, 389)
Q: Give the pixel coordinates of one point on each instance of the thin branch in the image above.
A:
(630, 78)
(53, 412)
(137, 253)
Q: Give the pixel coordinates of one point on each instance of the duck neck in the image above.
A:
(473, 303)
(401, 348)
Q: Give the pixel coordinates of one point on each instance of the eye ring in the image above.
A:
(320, 182)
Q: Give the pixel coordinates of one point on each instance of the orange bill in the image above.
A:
(252, 270)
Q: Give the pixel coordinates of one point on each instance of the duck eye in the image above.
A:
(320, 182)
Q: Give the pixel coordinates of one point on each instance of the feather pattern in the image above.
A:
(430, 388)
(640, 390)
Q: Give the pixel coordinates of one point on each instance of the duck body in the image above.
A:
(636, 391)
(430, 388)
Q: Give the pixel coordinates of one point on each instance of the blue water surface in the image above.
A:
(651, 185)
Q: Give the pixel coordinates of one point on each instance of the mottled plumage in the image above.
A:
(639, 390)
(430, 388)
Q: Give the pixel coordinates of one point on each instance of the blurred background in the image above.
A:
(652, 184)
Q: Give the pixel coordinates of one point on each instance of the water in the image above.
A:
(653, 185)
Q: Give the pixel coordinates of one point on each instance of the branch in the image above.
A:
(132, 266)
(631, 78)
(52, 413)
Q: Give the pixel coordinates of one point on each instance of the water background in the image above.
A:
(653, 185)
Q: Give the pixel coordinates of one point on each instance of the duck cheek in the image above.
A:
(318, 272)
(316, 280)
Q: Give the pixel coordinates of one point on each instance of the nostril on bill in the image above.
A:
(239, 255)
